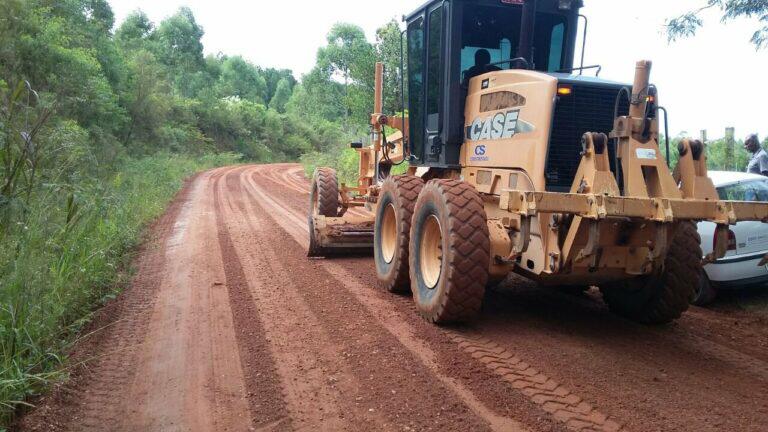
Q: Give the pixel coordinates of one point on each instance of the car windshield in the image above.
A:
(750, 190)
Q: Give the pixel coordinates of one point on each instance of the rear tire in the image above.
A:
(324, 198)
(449, 252)
(705, 293)
(662, 298)
(392, 230)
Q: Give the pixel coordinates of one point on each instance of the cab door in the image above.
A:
(434, 84)
(425, 73)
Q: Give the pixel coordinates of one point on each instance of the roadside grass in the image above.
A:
(67, 258)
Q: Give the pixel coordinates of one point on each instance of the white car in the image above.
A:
(748, 241)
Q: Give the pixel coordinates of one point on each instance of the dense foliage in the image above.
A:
(147, 88)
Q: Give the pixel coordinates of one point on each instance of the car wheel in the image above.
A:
(705, 293)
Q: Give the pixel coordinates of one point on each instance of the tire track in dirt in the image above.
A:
(116, 366)
(731, 328)
(263, 386)
(553, 397)
(692, 358)
(329, 301)
(718, 352)
(652, 378)
(565, 407)
(319, 398)
(105, 359)
(189, 375)
(377, 305)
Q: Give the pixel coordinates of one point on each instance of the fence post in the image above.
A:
(730, 143)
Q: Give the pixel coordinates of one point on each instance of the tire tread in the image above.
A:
(468, 255)
(406, 189)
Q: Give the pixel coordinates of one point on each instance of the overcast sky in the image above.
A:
(712, 81)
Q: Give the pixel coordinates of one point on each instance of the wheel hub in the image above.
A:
(431, 252)
(389, 234)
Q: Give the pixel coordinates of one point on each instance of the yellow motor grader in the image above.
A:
(510, 171)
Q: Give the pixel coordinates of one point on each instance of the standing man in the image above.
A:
(758, 164)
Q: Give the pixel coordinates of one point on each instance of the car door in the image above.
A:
(751, 237)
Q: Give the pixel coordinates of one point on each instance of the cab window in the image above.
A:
(434, 68)
(496, 30)
(415, 86)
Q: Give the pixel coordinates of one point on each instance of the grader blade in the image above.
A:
(340, 236)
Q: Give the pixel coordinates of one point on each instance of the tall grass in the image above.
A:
(64, 256)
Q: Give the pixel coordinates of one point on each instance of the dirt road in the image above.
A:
(228, 326)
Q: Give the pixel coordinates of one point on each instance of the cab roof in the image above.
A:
(575, 4)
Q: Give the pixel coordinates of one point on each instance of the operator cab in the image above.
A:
(447, 40)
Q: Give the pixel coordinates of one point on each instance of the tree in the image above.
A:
(274, 76)
(388, 52)
(146, 99)
(242, 79)
(317, 97)
(179, 46)
(282, 95)
(135, 30)
(99, 13)
(688, 23)
(350, 58)
(347, 53)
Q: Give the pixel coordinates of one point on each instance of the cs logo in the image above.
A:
(480, 150)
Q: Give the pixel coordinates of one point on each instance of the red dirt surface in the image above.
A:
(227, 326)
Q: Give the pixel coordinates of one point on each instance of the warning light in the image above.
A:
(650, 99)
(564, 90)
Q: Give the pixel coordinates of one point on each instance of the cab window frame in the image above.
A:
(416, 81)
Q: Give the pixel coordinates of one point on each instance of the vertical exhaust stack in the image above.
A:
(376, 118)
(640, 89)
(527, 28)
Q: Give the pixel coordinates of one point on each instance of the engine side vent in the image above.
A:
(586, 109)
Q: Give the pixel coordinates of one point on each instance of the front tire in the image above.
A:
(324, 198)
(449, 252)
(662, 298)
(392, 230)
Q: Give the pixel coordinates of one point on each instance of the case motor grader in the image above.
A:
(510, 171)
